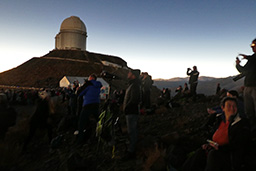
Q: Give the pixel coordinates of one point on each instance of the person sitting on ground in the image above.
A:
(213, 112)
(230, 144)
(179, 89)
(166, 96)
(186, 89)
(231, 93)
(178, 92)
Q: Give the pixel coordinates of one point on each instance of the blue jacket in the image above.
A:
(91, 94)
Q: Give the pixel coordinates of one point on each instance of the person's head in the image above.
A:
(44, 95)
(229, 106)
(194, 68)
(92, 77)
(232, 93)
(133, 74)
(253, 45)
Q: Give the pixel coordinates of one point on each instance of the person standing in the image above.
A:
(91, 102)
(8, 115)
(146, 84)
(40, 118)
(131, 104)
(193, 80)
(249, 71)
(218, 89)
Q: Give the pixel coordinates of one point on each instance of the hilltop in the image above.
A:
(47, 71)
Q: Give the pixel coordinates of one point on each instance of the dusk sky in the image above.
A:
(161, 37)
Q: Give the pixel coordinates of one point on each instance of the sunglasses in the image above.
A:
(253, 44)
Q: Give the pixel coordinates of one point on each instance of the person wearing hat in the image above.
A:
(131, 104)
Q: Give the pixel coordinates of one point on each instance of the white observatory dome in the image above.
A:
(73, 23)
(72, 35)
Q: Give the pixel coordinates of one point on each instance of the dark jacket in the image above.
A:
(249, 70)
(41, 115)
(7, 118)
(193, 77)
(239, 139)
(146, 84)
(91, 94)
(132, 97)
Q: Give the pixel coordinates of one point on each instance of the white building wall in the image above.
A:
(71, 40)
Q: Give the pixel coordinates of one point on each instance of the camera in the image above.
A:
(238, 77)
(108, 75)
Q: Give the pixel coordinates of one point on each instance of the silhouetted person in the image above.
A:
(193, 80)
(218, 89)
(7, 115)
(249, 71)
(146, 84)
(131, 104)
(40, 118)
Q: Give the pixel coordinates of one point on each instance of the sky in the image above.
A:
(161, 37)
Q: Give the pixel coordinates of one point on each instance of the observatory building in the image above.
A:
(72, 35)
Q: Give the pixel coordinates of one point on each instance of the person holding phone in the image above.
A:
(249, 71)
(230, 145)
(193, 80)
(230, 141)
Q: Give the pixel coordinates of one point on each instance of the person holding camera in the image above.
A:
(249, 70)
(193, 80)
(91, 102)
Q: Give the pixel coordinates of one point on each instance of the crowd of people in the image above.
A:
(231, 145)
(234, 121)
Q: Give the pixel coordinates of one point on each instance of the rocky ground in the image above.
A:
(166, 137)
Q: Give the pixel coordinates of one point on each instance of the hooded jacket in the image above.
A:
(91, 94)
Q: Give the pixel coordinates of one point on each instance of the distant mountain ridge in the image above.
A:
(202, 78)
(206, 85)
